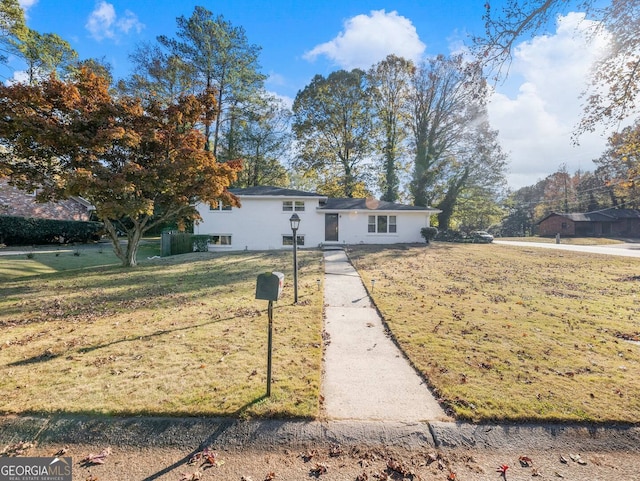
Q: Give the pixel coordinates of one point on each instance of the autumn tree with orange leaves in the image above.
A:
(139, 165)
(620, 167)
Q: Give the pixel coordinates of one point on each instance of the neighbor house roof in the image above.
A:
(268, 190)
(370, 204)
(607, 215)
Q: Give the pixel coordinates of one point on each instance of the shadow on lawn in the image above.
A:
(48, 356)
(162, 332)
(113, 288)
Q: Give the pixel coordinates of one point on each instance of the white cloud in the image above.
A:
(19, 77)
(367, 39)
(537, 119)
(104, 23)
(27, 4)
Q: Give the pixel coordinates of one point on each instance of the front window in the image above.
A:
(219, 207)
(293, 206)
(287, 240)
(220, 240)
(392, 224)
(372, 223)
(382, 224)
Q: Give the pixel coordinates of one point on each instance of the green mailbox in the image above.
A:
(269, 286)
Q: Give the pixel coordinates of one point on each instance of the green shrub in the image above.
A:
(30, 231)
(428, 233)
(200, 243)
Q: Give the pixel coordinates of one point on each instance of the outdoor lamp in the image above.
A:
(294, 220)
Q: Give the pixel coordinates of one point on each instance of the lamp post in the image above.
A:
(294, 220)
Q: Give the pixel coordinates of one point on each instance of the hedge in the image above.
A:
(30, 231)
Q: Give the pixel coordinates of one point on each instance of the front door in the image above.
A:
(331, 227)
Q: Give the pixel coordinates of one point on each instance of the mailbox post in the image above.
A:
(269, 288)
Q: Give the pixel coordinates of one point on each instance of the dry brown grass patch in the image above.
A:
(515, 333)
(180, 336)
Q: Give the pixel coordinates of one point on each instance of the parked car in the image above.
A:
(481, 236)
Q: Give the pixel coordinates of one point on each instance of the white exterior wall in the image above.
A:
(261, 223)
(353, 227)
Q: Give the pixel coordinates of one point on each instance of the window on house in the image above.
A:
(392, 224)
(287, 240)
(564, 225)
(291, 206)
(220, 207)
(220, 240)
(382, 224)
(372, 224)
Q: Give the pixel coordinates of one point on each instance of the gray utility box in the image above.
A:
(269, 286)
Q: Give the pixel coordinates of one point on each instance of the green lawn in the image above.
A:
(49, 259)
(500, 332)
(510, 333)
(182, 335)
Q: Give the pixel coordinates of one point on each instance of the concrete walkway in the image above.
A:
(366, 376)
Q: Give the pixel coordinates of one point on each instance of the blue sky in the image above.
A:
(535, 110)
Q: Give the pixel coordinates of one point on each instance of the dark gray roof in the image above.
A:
(606, 215)
(369, 204)
(589, 217)
(274, 191)
(623, 213)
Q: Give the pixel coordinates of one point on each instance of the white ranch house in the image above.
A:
(262, 222)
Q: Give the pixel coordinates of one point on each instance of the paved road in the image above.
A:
(366, 375)
(627, 249)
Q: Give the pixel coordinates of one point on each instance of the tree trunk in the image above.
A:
(448, 204)
(391, 176)
(128, 256)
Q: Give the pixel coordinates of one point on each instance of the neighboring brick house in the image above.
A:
(16, 202)
(608, 222)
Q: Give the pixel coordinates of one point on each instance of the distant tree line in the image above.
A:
(615, 183)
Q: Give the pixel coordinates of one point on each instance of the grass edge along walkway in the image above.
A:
(514, 334)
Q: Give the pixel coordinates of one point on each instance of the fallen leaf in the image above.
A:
(270, 476)
(577, 459)
(319, 469)
(451, 476)
(18, 449)
(525, 461)
(335, 451)
(309, 455)
(432, 458)
(399, 468)
(62, 451)
(100, 458)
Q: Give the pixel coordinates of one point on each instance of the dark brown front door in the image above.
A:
(331, 227)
